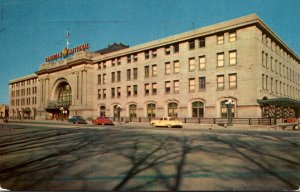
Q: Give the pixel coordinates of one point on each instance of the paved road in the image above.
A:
(124, 157)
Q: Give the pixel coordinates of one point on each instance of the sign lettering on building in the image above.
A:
(65, 52)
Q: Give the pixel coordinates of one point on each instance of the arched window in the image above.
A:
(197, 109)
(65, 94)
(173, 109)
(151, 110)
(224, 110)
(132, 110)
(102, 111)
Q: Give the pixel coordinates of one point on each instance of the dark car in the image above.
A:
(77, 120)
(103, 121)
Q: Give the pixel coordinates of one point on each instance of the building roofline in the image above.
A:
(247, 20)
(27, 77)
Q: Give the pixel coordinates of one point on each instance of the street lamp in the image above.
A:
(61, 113)
(119, 108)
(20, 111)
(229, 104)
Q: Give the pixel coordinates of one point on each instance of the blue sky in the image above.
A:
(30, 30)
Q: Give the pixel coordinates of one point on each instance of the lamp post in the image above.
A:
(61, 113)
(119, 108)
(229, 104)
(20, 111)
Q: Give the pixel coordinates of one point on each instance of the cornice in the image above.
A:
(64, 67)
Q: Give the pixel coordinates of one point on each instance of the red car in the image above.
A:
(102, 121)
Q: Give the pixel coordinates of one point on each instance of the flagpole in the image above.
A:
(68, 34)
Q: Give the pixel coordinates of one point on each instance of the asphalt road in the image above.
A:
(127, 158)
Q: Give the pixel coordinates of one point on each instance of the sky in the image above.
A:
(31, 30)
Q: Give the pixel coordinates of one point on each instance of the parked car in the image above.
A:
(77, 120)
(102, 121)
(166, 122)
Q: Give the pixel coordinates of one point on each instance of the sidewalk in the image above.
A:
(201, 126)
(186, 126)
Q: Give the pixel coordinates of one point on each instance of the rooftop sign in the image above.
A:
(65, 52)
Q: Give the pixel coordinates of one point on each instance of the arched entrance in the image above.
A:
(59, 107)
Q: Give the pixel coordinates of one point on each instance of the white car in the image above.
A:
(166, 122)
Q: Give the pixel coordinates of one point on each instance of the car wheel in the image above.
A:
(169, 126)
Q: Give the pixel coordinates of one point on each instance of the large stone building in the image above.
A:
(191, 74)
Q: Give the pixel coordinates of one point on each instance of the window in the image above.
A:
(135, 90)
(118, 92)
(220, 82)
(276, 86)
(146, 71)
(220, 60)
(151, 110)
(116, 111)
(263, 58)
(202, 83)
(167, 50)
(104, 64)
(118, 76)
(154, 70)
(201, 62)
(167, 87)
(192, 44)
(113, 93)
(192, 64)
(104, 93)
(172, 109)
(232, 58)
(176, 86)
(198, 109)
(154, 53)
(135, 73)
(118, 61)
(271, 85)
(176, 48)
(132, 110)
(272, 67)
(232, 36)
(113, 77)
(176, 66)
(102, 111)
(266, 82)
(135, 57)
(266, 60)
(104, 78)
(154, 88)
(220, 39)
(263, 81)
(128, 74)
(128, 58)
(232, 81)
(128, 91)
(147, 89)
(113, 62)
(167, 68)
(202, 42)
(147, 55)
(192, 85)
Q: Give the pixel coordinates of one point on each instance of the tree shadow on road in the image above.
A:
(142, 161)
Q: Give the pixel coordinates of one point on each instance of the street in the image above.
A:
(143, 158)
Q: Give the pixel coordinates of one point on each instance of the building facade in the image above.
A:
(23, 97)
(192, 74)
